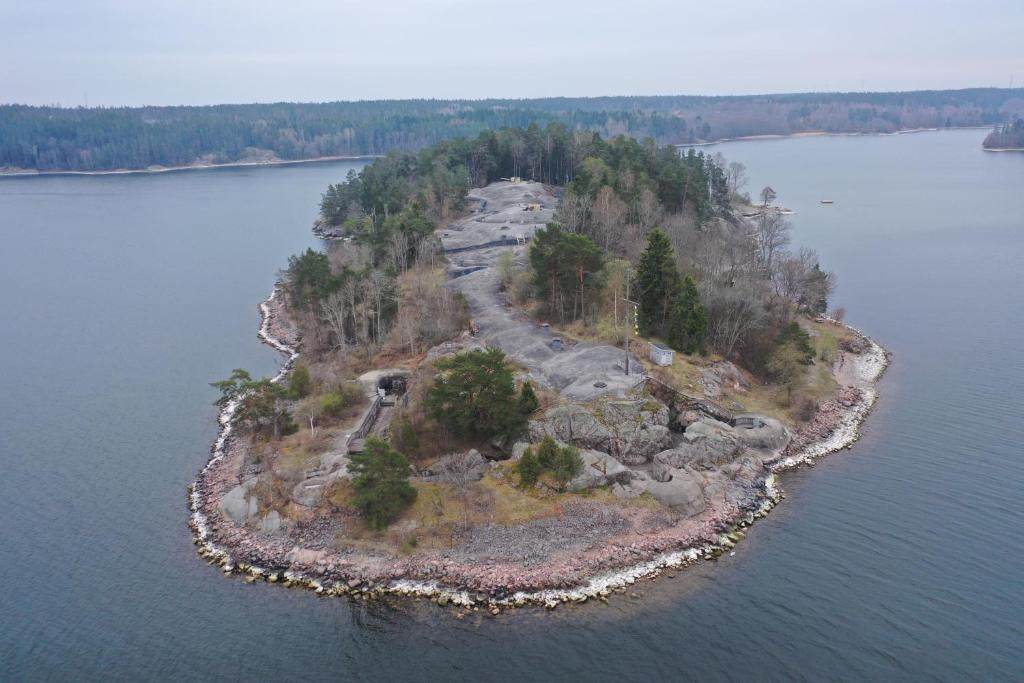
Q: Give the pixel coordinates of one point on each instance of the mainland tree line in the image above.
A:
(56, 138)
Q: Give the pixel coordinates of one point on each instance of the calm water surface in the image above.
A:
(897, 560)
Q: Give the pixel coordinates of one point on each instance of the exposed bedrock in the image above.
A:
(630, 430)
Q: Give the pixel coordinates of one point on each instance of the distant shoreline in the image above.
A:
(823, 133)
(1003, 149)
(32, 173)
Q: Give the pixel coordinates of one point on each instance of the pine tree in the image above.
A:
(528, 468)
(528, 401)
(547, 453)
(658, 279)
(380, 477)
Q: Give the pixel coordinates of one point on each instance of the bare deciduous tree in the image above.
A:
(736, 176)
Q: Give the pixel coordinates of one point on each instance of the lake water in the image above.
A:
(899, 559)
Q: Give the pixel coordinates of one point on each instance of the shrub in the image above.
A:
(404, 436)
(568, 463)
(299, 382)
(506, 269)
(547, 453)
(332, 405)
(528, 468)
(352, 392)
(380, 478)
(562, 462)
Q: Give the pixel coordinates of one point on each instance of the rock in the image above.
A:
(625, 492)
(765, 433)
(687, 417)
(518, 449)
(573, 424)
(458, 468)
(857, 345)
(599, 469)
(309, 492)
(270, 523)
(238, 504)
(724, 374)
(630, 430)
(683, 492)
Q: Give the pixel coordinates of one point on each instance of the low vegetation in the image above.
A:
(562, 463)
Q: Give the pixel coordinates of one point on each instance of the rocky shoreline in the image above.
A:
(595, 573)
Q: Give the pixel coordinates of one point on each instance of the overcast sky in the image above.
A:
(211, 51)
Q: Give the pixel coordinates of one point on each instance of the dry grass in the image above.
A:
(441, 511)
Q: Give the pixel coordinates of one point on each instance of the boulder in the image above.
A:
(458, 468)
(765, 433)
(712, 442)
(518, 448)
(630, 430)
(599, 469)
(238, 504)
(309, 492)
(270, 523)
(684, 492)
(573, 424)
(723, 374)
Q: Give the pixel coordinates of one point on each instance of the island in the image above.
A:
(531, 367)
(1008, 137)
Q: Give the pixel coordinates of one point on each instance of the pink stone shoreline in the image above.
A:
(614, 563)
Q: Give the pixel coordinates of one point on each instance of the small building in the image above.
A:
(661, 355)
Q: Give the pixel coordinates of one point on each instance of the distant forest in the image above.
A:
(98, 139)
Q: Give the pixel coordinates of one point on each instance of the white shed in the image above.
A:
(662, 355)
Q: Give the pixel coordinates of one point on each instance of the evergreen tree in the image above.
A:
(528, 401)
(688, 322)
(568, 463)
(794, 336)
(528, 468)
(547, 453)
(658, 281)
(474, 395)
(380, 477)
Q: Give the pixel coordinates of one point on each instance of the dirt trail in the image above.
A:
(513, 212)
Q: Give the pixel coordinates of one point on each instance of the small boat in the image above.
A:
(828, 201)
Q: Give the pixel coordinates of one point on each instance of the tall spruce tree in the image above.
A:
(688, 322)
(658, 279)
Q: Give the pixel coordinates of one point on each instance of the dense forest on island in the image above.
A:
(632, 214)
(1006, 136)
(101, 139)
